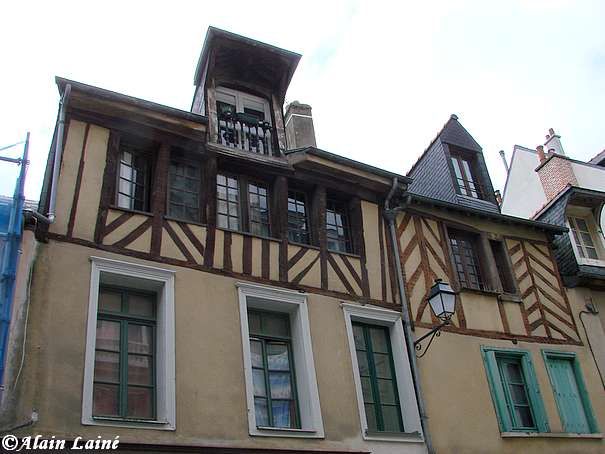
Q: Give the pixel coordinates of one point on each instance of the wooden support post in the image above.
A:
(319, 231)
(210, 190)
(280, 222)
(109, 184)
(158, 197)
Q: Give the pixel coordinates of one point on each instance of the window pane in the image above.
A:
(366, 389)
(390, 417)
(513, 372)
(260, 409)
(140, 304)
(518, 394)
(371, 417)
(282, 413)
(524, 417)
(254, 322)
(382, 364)
(256, 353)
(140, 339)
(275, 325)
(140, 402)
(110, 301)
(386, 391)
(108, 335)
(105, 400)
(360, 342)
(258, 380)
(379, 340)
(362, 361)
(592, 253)
(107, 367)
(280, 385)
(277, 357)
(140, 370)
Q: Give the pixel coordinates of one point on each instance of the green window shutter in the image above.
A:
(570, 393)
(534, 395)
(497, 390)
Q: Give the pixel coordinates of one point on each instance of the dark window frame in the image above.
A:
(145, 152)
(506, 276)
(308, 230)
(126, 319)
(469, 183)
(345, 215)
(474, 240)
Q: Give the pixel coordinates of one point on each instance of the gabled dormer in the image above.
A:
(452, 169)
(240, 86)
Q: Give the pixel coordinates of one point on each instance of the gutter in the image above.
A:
(50, 216)
(390, 215)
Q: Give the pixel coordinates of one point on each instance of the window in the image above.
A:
(467, 184)
(184, 185)
(258, 209)
(338, 231)
(242, 205)
(377, 375)
(244, 121)
(298, 221)
(124, 377)
(466, 259)
(129, 369)
(514, 390)
(275, 402)
(281, 387)
(582, 238)
(228, 206)
(570, 392)
(383, 381)
(134, 178)
(503, 266)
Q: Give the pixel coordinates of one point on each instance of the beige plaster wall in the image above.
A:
(210, 393)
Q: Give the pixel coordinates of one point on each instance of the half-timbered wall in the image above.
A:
(86, 215)
(543, 313)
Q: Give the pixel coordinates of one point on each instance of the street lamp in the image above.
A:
(442, 300)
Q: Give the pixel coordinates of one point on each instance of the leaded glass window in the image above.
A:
(258, 209)
(377, 375)
(466, 259)
(338, 231)
(133, 179)
(298, 221)
(275, 399)
(124, 372)
(228, 203)
(184, 191)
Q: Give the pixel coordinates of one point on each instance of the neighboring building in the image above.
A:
(550, 186)
(213, 282)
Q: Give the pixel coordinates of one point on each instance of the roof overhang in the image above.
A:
(230, 56)
(332, 165)
(118, 108)
(575, 196)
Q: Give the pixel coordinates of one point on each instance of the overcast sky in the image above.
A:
(382, 77)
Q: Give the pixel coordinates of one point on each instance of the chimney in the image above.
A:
(541, 155)
(503, 156)
(300, 132)
(553, 143)
(498, 196)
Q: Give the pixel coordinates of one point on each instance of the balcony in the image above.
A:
(246, 132)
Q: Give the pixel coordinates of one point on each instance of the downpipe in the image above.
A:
(390, 215)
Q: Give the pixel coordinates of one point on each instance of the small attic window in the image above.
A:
(244, 121)
(465, 175)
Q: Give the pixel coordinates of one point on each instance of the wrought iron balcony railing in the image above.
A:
(246, 132)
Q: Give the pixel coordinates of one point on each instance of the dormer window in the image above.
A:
(465, 176)
(244, 121)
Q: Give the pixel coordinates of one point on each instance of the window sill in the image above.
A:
(184, 221)
(129, 210)
(129, 423)
(308, 246)
(510, 297)
(590, 262)
(263, 431)
(481, 292)
(405, 437)
(253, 235)
(348, 254)
(550, 435)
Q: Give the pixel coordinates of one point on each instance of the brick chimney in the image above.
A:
(300, 132)
(555, 169)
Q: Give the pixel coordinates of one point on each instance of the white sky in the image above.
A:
(382, 77)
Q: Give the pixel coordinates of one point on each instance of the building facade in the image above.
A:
(211, 281)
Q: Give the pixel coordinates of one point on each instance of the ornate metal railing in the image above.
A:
(245, 132)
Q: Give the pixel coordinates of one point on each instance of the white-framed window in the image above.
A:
(234, 101)
(396, 418)
(586, 240)
(272, 383)
(129, 370)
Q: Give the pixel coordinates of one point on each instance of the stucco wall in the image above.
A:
(210, 396)
(524, 194)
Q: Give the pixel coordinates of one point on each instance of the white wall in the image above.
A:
(523, 195)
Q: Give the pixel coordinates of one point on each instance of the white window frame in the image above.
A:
(254, 296)
(142, 277)
(593, 229)
(403, 373)
(243, 100)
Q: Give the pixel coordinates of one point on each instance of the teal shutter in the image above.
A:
(567, 395)
(534, 395)
(497, 390)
